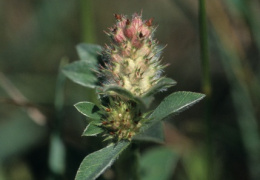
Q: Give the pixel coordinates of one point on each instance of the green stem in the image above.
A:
(87, 21)
(206, 84)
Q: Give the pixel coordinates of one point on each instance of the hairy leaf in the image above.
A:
(174, 103)
(92, 130)
(88, 109)
(81, 73)
(97, 162)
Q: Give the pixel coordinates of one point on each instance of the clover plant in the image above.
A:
(126, 75)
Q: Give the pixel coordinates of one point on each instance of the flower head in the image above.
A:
(132, 59)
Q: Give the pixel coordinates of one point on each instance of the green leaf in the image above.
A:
(162, 84)
(174, 103)
(97, 162)
(123, 92)
(155, 134)
(89, 109)
(81, 73)
(89, 53)
(92, 130)
(96, 122)
(158, 163)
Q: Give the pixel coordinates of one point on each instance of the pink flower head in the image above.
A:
(134, 29)
(133, 55)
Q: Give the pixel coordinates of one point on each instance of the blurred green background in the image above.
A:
(40, 130)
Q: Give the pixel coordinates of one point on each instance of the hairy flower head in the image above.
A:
(132, 60)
